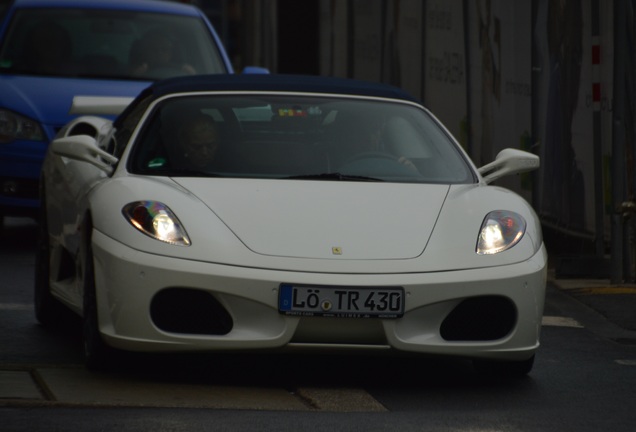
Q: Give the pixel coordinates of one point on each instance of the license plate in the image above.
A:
(342, 302)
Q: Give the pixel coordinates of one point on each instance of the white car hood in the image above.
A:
(324, 219)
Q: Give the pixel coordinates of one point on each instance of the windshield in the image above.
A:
(107, 44)
(296, 137)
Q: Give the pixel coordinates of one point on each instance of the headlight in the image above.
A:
(500, 230)
(14, 126)
(156, 220)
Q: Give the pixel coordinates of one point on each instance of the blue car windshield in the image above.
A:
(108, 44)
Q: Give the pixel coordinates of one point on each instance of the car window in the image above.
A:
(107, 44)
(125, 125)
(321, 138)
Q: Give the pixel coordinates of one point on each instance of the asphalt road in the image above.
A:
(583, 379)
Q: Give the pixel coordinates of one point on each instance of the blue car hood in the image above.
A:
(48, 100)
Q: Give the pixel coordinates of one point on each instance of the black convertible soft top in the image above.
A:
(273, 82)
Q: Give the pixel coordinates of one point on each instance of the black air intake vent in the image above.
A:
(480, 319)
(190, 311)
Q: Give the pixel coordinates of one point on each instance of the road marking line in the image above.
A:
(625, 362)
(16, 306)
(602, 290)
(340, 399)
(555, 321)
(18, 385)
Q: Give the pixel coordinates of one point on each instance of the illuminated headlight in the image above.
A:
(157, 221)
(14, 126)
(500, 230)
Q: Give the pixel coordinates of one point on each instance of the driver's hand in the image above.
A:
(188, 69)
(407, 163)
(140, 70)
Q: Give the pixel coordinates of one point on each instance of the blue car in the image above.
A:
(53, 52)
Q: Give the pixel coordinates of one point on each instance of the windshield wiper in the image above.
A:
(187, 173)
(334, 177)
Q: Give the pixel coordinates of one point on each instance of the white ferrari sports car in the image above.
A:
(234, 213)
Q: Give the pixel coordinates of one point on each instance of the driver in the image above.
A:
(199, 140)
(156, 51)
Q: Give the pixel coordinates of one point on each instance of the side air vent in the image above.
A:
(189, 311)
(483, 318)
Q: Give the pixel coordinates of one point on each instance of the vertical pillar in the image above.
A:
(618, 142)
(598, 152)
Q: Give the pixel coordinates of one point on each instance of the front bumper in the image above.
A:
(128, 280)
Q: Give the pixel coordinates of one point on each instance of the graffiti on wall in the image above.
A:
(489, 30)
(500, 49)
(445, 83)
(447, 68)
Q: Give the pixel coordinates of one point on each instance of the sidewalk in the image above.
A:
(616, 303)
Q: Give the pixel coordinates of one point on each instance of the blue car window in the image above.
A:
(108, 44)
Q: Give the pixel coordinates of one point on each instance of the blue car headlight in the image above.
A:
(14, 126)
(499, 231)
(157, 221)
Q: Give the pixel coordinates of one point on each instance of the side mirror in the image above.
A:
(84, 148)
(509, 161)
